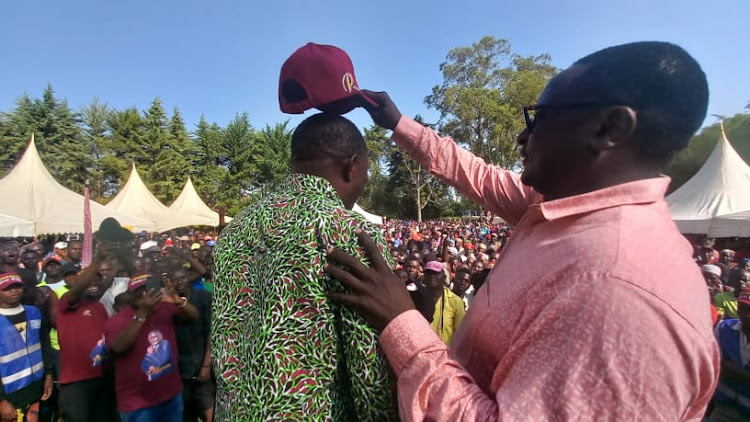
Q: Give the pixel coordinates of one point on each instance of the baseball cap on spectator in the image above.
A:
(150, 246)
(70, 268)
(468, 246)
(744, 297)
(207, 238)
(195, 246)
(317, 75)
(10, 279)
(137, 280)
(183, 238)
(436, 266)
(51, 259)
(211, 243)
(61, 245)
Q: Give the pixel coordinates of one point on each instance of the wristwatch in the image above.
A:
(136, 318)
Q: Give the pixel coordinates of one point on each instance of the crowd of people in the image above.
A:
(128, 334)
(122, 337)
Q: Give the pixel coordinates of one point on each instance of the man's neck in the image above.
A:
(10, 268)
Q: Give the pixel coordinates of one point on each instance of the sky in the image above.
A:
(220, 58)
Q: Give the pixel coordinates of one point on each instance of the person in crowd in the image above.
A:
(53, 276)
(134, 337)
(86, 390)
(75, 251)
(732, 396)
(110, 284)
(258, 269)
(712, 275)
(121, 302)
(726, 302)
(114, 242)
(31, 261)
(10, 253)
(593, 154)
(60, 252)
(70, 273)
(194, 346)
(25, 364)
(449, 308)
(462, 286)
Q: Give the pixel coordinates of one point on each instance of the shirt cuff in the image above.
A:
(407, 132)
(406, 336)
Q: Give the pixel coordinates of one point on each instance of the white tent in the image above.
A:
(372, 218)
(31, 193)
(15, 227)
(190, 203)
(136, 199)
(719, 188)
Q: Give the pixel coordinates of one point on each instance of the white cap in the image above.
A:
(711, 269)
(148, 245)
(61, 245)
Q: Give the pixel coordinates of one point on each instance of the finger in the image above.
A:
(347, 279)
(346, 299)
(354, 264)
(371, 250)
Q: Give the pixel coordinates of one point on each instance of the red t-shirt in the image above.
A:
(148, 373)
(80, 331)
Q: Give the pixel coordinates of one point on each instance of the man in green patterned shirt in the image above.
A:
(281, 350)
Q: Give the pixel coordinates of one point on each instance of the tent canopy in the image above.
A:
(190, 203)
(32, 194)
(372, 218)
(136, 199)
(15, 227)
(719, 188)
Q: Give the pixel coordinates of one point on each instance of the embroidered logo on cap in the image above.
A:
(348, 82)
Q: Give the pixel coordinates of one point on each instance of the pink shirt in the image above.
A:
(594, 311)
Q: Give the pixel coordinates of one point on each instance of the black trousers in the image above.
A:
(90, 400)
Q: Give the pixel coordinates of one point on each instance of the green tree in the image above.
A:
(121, 148)
(15, 131)
(484, 87)
(273, 154)
(95, 135)
(207, 165)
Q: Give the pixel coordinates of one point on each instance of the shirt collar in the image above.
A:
(311, 185)
(643, 191)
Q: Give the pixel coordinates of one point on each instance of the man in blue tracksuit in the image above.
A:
(732, 397)
(25, 365)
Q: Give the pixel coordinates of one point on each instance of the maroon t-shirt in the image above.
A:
(80, 331)
(147, 374)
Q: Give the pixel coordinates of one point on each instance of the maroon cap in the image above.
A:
(137, 280)
(9, 279)
(316, 75)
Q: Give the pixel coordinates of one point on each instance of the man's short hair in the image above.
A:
(661, 82)
(326, 135)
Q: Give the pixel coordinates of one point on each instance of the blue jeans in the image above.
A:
(169, 411)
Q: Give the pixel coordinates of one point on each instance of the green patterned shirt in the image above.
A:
(281, 350)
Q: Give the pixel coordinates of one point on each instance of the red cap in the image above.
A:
(137, 280)
(9, 279)
(325, 73)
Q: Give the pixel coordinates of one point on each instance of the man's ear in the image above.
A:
(616, 126)
(350, 167)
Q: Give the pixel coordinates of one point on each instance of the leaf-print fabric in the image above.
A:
(281, 350)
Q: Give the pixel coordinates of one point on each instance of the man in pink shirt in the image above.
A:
(580, 319)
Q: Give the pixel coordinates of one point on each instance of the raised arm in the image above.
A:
(492, 187)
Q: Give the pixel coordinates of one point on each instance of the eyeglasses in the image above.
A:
(529, 111)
